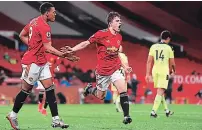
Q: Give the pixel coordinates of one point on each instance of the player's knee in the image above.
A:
(26, 87)
(51, 87)
(122, 90)
(121, 85)
(47, 83)
(161, 91)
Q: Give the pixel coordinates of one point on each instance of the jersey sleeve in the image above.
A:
(46, 35)
(171, 53)
(151, 51)
(95, 38)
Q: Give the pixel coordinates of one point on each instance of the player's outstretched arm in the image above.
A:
(72, 58)
(24, 36)
(81, 46)
(50, 49)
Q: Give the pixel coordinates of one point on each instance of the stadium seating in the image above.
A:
(14, 54)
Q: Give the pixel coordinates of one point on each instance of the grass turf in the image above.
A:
(104, 117)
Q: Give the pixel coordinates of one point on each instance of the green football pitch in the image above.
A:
(104, 117)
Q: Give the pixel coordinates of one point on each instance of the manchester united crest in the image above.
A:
(48, 34)
(30, 79)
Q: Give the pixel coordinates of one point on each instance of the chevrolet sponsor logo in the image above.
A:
(112, 49)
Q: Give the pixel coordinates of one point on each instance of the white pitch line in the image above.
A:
(193, 113)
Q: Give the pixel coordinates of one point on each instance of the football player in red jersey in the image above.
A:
(37, 35)
(108, 70)
(52, 64)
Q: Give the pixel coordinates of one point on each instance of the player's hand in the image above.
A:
(128, 69)
(66, 49)
(172, 75)
(72, 58)
(147, 78)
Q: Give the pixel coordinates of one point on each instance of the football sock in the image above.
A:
(124, 103)
(157, 102)
(50, 97)
(41, 93)
(92, 90)
(46, 104)
(19, 100)
(56, 118)
(164, 103)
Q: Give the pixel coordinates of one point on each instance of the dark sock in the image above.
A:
(92, 90)
(50, 97)
(46, 104)
(19, 100)
(124, 103)
(41, 93)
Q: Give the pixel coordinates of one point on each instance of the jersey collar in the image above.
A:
(162, 42)
(111, 32)
(41, 18)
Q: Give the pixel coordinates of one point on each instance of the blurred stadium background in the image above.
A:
(77, 21)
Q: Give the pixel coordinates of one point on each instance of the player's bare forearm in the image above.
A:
(49, 48)
(81, 46)
(48, 51)
(124, 64)
(24, 39)
(24, 36)
(172, 65)
(148, 72)
(173, 69)
(149, 65)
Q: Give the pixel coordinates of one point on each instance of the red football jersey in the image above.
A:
(39, 33)
(107, 51)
